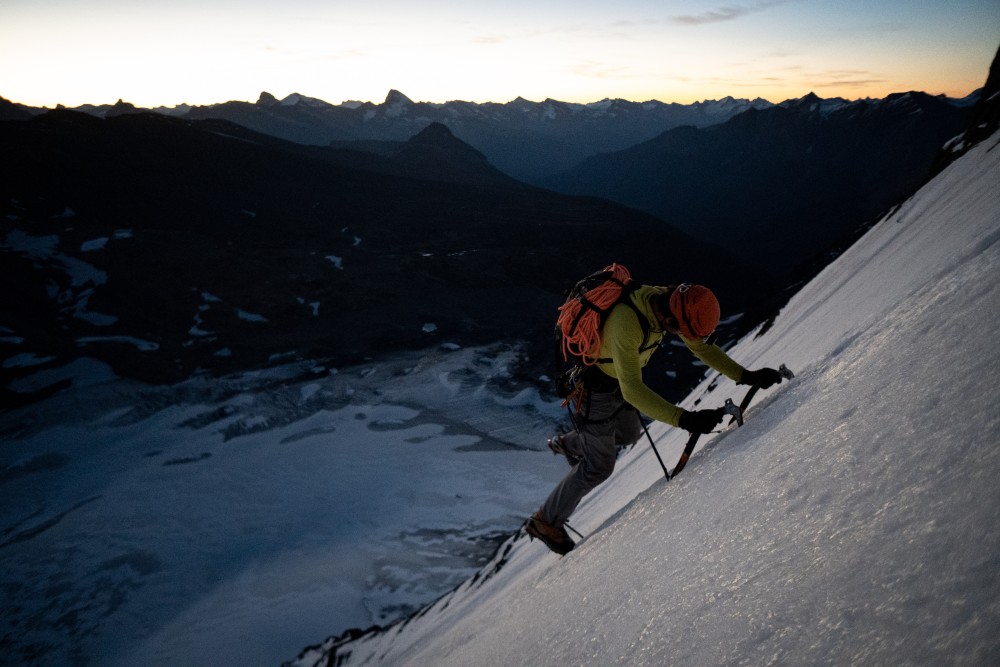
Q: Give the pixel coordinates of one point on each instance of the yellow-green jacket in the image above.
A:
(621, 339)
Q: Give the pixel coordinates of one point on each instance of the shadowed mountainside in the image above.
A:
(782, 184)
(165, 247)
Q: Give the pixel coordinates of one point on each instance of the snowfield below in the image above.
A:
(854, 519)
(232, 521)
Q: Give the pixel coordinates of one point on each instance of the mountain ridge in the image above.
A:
(486, 126)
(527, 140)
(788, 181)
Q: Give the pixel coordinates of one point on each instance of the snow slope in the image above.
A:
(854, 519)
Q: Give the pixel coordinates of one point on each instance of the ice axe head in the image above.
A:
(734, 411)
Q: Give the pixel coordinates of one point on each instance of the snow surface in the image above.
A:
(234, 521)
(854, 519)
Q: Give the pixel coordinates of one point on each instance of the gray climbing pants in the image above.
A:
(606, 423)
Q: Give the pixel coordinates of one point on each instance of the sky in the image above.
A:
(154, 53)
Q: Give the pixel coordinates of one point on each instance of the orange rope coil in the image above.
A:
(580, 323)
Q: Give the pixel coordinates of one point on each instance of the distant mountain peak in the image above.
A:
(396, 98)
(434, 133)
(807, 101)
(440, 136)
(813, 103)
(121, 108)
(11, 111)
(909, 97)
(297, 99)
(266, 99)
(437, 154)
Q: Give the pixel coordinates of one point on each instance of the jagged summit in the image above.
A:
(121, 108)
(266, 99)
(804, 102)
(397, 98)
(912, 98)
(269, 101)
(297, 99)
(396, 104)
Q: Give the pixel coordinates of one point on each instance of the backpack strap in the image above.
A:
(643, 323)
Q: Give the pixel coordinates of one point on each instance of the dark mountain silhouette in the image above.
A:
(300, 119)
(432, 154)
(780, 184)
(167, 246)
(12, 111)
(121, 108)
(527, 140)
(983, 121)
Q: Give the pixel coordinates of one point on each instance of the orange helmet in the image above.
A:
(696, 310)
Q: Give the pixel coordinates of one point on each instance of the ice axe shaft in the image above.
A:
(729, 408)
(736, 415)
(653, 445)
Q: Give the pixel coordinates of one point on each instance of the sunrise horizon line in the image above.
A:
(816, 90)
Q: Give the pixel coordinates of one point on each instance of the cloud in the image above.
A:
(727, 13)
(849, 83)
(878, 28)
(846, 79)
(816, 79)
(601, 70)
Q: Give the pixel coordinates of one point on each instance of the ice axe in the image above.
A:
(734, 411)
(745, 403)
(728, 408)
(731, 409)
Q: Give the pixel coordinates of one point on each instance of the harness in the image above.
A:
(580, 381)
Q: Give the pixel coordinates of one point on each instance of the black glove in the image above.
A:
(701, 421)
(761, 378)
